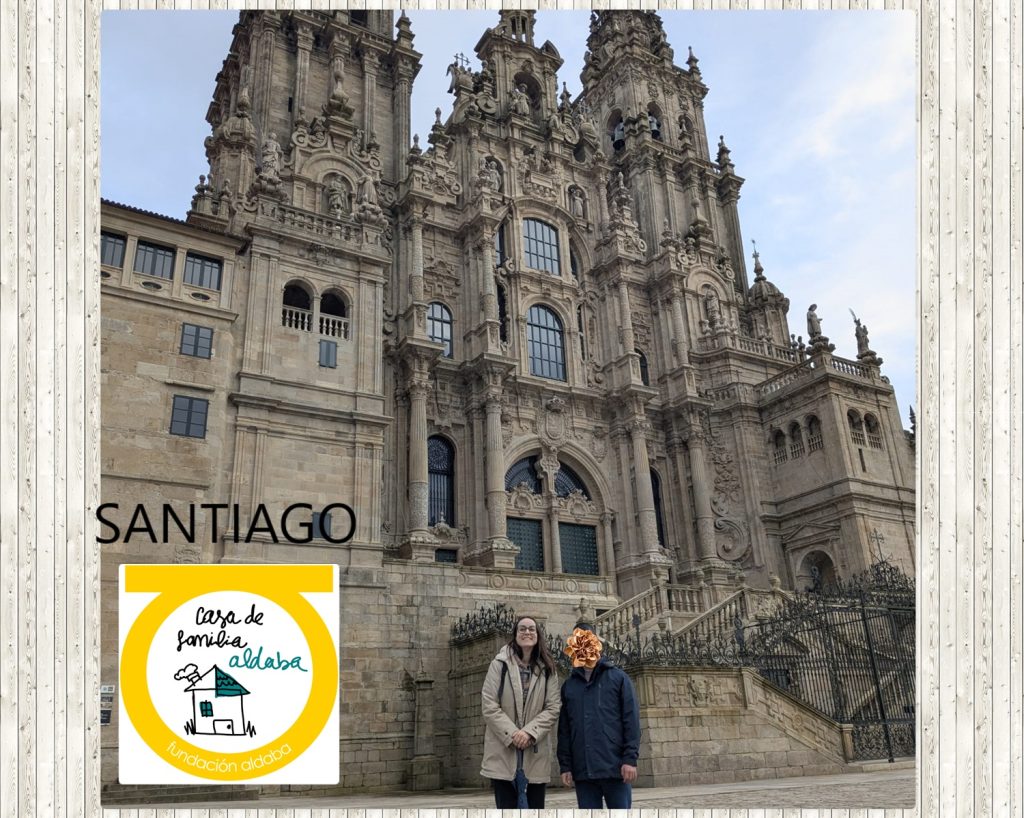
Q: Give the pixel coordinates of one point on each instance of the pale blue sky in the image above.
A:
(818, 109)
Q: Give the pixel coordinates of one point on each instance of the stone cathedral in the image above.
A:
(526, 350)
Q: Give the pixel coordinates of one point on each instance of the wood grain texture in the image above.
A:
(970, 435)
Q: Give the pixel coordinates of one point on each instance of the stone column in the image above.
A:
(403, 120)
(609, 546)
(556, 541)
(304, 42)
(495, 475)
(681, 345)
(644, 490)
(487, 288)
(425, 770)
(701, 497)
(418, 488)
(370, 63)
(416, 273)
(626, 317)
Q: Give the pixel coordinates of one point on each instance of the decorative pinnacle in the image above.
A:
(692, 60)
(758, 269)
(437, 116)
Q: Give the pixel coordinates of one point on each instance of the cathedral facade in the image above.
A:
(527, 353)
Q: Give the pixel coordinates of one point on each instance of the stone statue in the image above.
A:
(493, 174)
(270, 154)
(520, 101)
(367, 195)
(862, 338)
(336, 198)
(576, 203)
(813, 323)
(714, 309)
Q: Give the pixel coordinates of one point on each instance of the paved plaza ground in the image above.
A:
(882, 786)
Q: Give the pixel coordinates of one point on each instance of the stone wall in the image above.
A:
(717, 725)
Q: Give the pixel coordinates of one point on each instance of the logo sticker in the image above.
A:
(229, 673)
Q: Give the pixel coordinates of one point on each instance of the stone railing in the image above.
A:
(649, 605)
(334, 327)
(849, 368)
(618, 622)
(721, 619)
(796, 373)
(729, 340)
(295, 318)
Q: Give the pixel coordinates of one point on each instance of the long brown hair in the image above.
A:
(541, 655)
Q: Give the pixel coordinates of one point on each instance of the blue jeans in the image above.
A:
(617, 793)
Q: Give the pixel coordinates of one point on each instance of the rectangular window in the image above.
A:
(579, 548)
(202, 271)
(188, 416)
(329, 354)
(206, 709)
(112, 250)
(154, 260)
(321, 525)
(446, 555)
(196, 341)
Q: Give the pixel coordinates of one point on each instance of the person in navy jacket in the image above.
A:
(598, 726)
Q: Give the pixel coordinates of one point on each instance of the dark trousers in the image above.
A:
(617, 793)
(505, 794)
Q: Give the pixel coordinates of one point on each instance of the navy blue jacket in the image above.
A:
(599, 724)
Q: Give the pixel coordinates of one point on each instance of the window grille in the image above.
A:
(523, 471)
(441, 475)
(579, 548)
(567, 481)
(528, 535)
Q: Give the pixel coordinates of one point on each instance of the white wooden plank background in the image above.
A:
(970, 408)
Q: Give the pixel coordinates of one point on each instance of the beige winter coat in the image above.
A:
(538, 718)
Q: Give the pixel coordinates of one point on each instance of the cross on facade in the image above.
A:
(879, 540)
(461, 60)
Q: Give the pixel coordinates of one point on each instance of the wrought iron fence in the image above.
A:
(497, 618)
(846, 650)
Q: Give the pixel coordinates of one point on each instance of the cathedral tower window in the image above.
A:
(546, 343)
(617, 131)
(645, 372)
(656, 489)
(779, 447)
(333, 315)
(296, 309)
(500, 252)
(796, 441)
(654, 121)
(540, 241)
(441, 472)
(814, 439)
(574, 265)
(439, 326)
(874, 431)
(502, 314)
(856, 427)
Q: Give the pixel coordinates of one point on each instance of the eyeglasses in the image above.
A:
(526, 629)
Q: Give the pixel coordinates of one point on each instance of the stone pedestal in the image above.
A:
(419, 546)
(497, 552)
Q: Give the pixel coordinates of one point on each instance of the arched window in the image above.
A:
(654, 121)
(500, 253)
(617, 131)
(796, 441)
(523, 472)
(333, 313)
(582, 334)
(540, 244)
(546, 343)
(574, 264)
(856, 427)
(439, 326)
(296, 309)
(502, 314)
(874, 431)
(814, 439)
(441, 471)
(656, 488)
(567, 481)
(645, 372)
(779, 446)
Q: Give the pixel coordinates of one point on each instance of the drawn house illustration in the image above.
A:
(218, 704)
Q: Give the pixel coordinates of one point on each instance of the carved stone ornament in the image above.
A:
(577, 505)
(521, 498)
(700, 692)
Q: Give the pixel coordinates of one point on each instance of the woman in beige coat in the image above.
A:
(520, 702)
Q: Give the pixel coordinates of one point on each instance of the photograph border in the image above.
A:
(969, 443)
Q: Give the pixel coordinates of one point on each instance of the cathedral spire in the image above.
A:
(517, 24)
